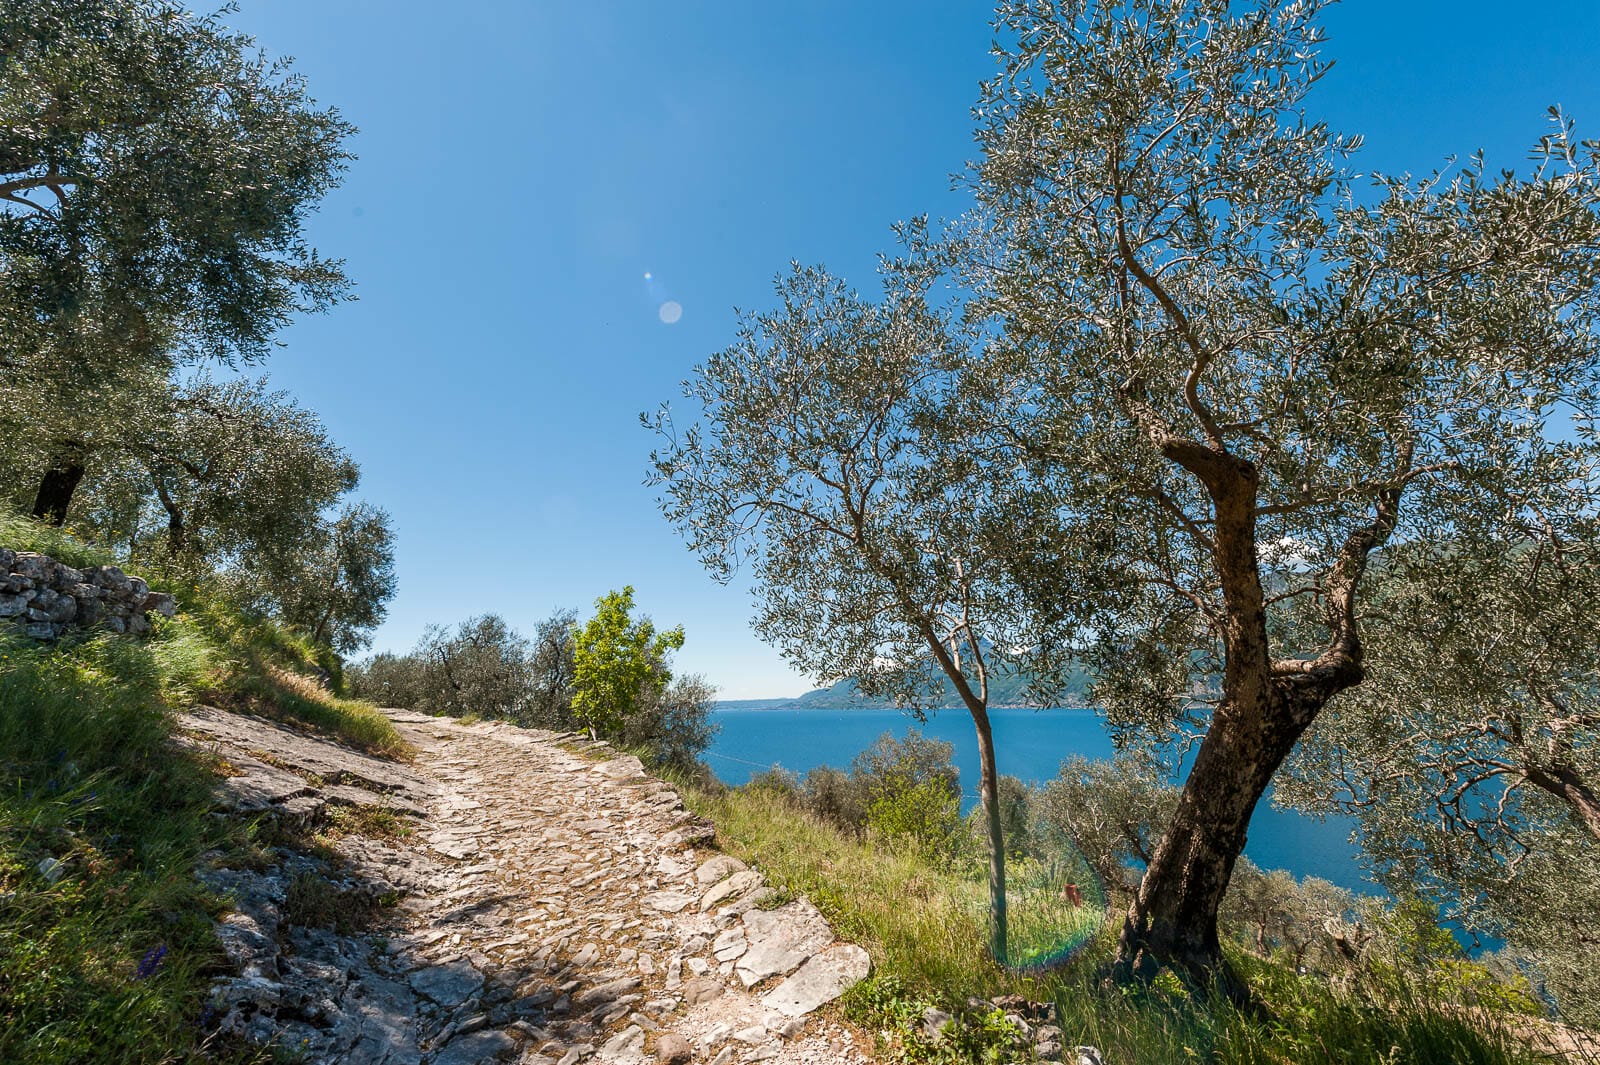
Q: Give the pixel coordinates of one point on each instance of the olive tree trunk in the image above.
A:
(58, 484)
(989, 793)
(1263, 709)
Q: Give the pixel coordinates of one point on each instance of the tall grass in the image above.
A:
(102, 823)
(923, 924)
(21, 533)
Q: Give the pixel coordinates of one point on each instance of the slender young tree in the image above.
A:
(879, 552)
(1265, 373)
(619, 665)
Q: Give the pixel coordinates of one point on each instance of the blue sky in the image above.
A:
(524, 164)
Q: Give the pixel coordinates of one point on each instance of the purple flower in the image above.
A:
(152, 959)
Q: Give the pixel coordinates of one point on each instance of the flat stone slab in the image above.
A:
(623, 769)
(476, 1049)
(823, 978)
(349, 795)
(668, 901)
(731, 888)
(330, 761)
(258, 786)
(449, 984)
(780, 940)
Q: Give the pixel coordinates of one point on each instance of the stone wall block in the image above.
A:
(46, 598)
(33, 566)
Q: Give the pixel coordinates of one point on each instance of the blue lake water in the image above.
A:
(1029, 744)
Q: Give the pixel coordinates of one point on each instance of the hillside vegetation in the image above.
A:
(918, 905)
(106, 940)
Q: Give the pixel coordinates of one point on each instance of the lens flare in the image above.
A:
(670, 312)
(1055, 909)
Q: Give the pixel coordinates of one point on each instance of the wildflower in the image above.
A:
(152, 959)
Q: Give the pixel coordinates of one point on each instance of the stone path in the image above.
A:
(554, 907)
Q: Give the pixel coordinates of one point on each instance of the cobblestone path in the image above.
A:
(556, 906)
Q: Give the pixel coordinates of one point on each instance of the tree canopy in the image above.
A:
(156, 172)
(1472, 755)
(882, 545)
(1221, 372)
(1259, 373)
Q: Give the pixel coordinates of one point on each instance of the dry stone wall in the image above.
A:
(47, 598)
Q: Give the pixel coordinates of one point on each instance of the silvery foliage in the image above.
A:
(156, 174)
(822, 460)
(1472, 755)
(1181, 263)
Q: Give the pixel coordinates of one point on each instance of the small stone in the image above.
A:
(701, 989)
(627, 1043)
(161, 603)
(673, 1049)
(718, 868)
(735, 885)
(606, 992)
(449, 985)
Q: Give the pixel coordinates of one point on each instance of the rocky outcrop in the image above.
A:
(551, 904)
(48, 598)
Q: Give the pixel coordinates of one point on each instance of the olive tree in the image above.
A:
(1472, 755)
(339, 582)
(879, 552)
(1263, 372)
(156, 172)
(1111, 811)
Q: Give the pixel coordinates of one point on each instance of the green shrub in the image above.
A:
(922, 811)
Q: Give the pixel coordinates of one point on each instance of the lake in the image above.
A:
(1029, 744)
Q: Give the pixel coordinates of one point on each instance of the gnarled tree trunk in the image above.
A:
(59, 483)
(1264, 708)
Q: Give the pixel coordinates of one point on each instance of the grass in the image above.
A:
(107, 947)
(924, 925)
(25, 534)
(268, 671)
(91, 783)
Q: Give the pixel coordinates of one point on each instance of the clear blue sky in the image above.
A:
(525, 163)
